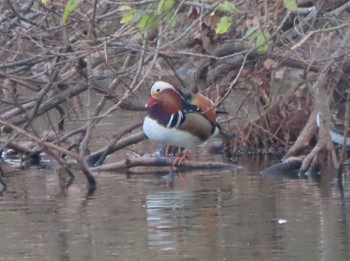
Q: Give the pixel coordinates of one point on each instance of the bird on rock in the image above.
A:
(173, 121)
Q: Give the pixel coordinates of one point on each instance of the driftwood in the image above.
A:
(163, 162)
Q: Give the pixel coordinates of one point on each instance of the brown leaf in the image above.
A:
(270, 63)
(193, 12)
(253, 22)
(211, 21)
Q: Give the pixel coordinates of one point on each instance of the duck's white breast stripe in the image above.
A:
(179, 118)
(175, 120)
(169, 125)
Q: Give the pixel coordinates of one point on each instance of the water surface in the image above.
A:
(202, 215)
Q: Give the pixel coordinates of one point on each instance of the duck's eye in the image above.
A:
(158, 90)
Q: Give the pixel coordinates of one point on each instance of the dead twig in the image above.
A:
(52, 147)
(114, 141)
(92, 158)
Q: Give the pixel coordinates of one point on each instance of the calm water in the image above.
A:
(232, 215)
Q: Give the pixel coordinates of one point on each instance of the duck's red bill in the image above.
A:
(150, 101)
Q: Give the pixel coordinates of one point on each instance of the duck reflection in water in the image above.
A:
(166, 219)
(175, 179)
(175, 218)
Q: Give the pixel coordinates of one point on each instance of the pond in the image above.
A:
(197, 215)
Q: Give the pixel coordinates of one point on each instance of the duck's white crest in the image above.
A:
(160, 86)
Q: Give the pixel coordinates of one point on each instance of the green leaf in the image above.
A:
(251, 33)
(127, 17)
(226, 7)
(262, 41)
(137, 15)
(254, 36)
(291, 5)
(160, 6)
(71, 5)
(172, 22)
(152, 20)
(168, 4)
(165, 5)
(143, 21)
(223, 25)
(148, 20)
(124, 7)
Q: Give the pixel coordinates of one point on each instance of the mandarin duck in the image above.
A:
(173, 121)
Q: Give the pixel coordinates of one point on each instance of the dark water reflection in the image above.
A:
(234, 215)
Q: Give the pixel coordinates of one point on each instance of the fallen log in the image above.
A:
(288, 168)
(163, 162)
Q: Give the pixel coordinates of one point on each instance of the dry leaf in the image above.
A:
(253, 22)
(193, 12)
(269, 63)
(211, 21)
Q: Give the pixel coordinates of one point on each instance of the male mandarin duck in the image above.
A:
(171, 120)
